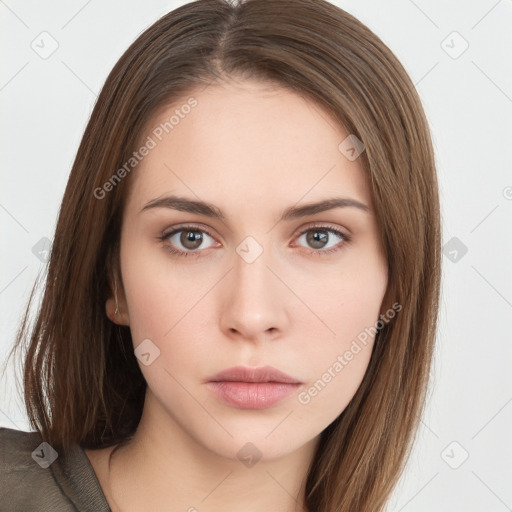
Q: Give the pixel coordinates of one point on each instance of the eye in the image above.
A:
(186, 240)
(324, 239)
(192, 240)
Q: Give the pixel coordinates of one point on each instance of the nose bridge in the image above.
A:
(253, 301)
(252, 278)
(250, 265)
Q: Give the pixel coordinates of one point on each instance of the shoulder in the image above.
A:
(18, 450)
(24, 481)
(15, 445)
(34, 476)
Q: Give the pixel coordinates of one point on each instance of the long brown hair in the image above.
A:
(81, 378)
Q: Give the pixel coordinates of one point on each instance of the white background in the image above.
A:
(45, 104)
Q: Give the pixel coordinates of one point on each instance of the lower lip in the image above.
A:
(252, 395)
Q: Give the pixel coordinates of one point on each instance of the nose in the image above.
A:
(254, 305)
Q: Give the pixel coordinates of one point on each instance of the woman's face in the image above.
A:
(256, 278)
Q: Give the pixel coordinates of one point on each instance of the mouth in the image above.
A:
(252, 388)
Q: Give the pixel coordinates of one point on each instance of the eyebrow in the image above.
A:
(183, 204)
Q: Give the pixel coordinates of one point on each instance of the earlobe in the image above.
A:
(116, 312)
(110, 309)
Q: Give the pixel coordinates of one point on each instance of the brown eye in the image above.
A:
(187, 240)
(323, 239)
(317, 238)
(191, 239)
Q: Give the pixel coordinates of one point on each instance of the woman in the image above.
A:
(242, 294)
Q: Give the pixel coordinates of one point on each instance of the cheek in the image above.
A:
(338, 362)
(161, 304)
(169, 305)
(346, 298)
(157, 295)
(349, 306)
(338, 379)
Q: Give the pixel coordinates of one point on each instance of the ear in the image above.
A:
(115, 307)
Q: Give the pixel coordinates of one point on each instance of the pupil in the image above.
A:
(317, 239)
(193, 237)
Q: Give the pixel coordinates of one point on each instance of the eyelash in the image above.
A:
(318, 252)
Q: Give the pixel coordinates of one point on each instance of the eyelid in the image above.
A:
(301, 231)
(191, 227)
(323, 225)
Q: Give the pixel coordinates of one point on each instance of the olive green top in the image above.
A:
(35, 478)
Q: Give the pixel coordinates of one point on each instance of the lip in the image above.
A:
(252, 388)
(246, 374)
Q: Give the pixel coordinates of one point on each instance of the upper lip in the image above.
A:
(246, 374)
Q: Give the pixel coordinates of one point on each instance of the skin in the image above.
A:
(252, 149)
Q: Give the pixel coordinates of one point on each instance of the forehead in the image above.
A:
(246, 142)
